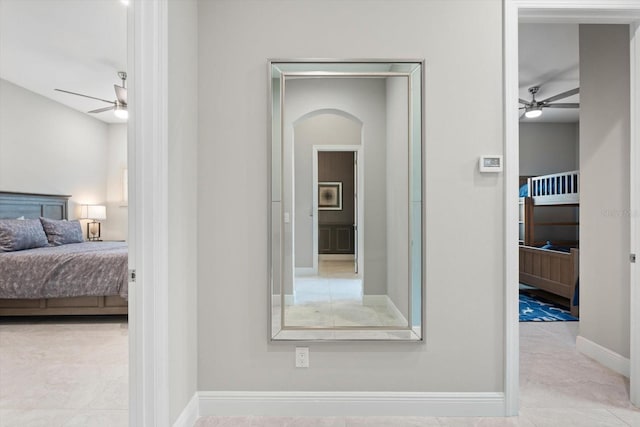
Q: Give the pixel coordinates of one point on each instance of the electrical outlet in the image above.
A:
(302, 357)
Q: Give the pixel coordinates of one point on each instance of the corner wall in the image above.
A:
(183, 211)
(604, 180)
(464, 222)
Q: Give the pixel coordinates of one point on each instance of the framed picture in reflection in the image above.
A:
(330, 196)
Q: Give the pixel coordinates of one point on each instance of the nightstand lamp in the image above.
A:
(94, 213)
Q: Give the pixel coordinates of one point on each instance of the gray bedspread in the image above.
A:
(77, 269)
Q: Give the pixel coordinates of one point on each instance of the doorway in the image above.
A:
(576, 12)
(336, 210)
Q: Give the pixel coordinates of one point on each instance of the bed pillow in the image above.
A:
(524, 190)
(62, 232)
(19, 234)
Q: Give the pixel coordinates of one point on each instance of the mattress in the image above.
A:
(77, 269)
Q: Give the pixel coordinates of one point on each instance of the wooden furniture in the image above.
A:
(559, 192)
(335, 239)
(551, 271)
(28, 205)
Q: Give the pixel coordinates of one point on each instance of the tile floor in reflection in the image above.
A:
(64, 372)
(334, 298)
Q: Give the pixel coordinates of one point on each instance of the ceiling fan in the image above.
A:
(534, 107)
(119, 106)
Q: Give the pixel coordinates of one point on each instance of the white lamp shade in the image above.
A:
(93, 212)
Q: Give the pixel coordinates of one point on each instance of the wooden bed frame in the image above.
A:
(555, 273)
(29, 205)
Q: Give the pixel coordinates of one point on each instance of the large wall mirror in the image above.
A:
(346, 203)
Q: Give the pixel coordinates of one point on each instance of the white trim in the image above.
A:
(190, 413)
(634, 157)
(603, 355)
(511, 172)
(575, 11)
(148, 164)
(273, 403)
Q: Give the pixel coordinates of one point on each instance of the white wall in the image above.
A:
(46, 147)
(464, 254)
(183, 211)
(115, 226)
(604, 193)
(548, 148)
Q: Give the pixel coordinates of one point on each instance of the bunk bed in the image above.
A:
(550, 265)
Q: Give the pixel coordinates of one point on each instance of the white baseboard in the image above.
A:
(336, 257)
(603, 355)
(190, 413)
(229, 403)
(305, 271)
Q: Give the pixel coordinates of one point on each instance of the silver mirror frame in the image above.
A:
(414, 332)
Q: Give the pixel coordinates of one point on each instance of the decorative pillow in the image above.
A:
(19, 234)
(62, 232)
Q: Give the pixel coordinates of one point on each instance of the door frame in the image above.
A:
(575, 11)
(147, 44)
(358, 149)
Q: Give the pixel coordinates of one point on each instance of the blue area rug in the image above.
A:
(533, 309)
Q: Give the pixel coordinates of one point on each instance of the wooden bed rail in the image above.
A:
(555, 189)
(551, 271)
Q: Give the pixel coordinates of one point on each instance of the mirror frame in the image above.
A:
(325, 68)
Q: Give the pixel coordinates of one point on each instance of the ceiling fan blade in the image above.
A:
(121, 94)
(86, 96)
(522, 101)
(521, 116)
(563, 105)
(101, 110)
(562, 95)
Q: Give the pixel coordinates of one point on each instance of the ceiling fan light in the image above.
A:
(533, 112)
(121, 112)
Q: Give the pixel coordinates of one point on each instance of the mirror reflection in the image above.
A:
(346, 200)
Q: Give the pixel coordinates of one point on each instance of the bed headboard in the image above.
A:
(29, 205)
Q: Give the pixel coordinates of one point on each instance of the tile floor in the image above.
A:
(334, 298)
(558, 388)
(64, 372)
(75, 374)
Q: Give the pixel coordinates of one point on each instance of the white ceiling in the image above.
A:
(76, 45)
(80, 45)
(549, 58)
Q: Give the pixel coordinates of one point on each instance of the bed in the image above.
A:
(551, 264)
(83, 278)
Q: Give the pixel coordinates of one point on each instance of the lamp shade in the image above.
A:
(93, 212)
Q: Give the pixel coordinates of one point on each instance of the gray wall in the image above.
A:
(548, 148)
(464, 349)
(397, 209)
(183, 211)
(338, 166)
(604, 194)
(47, 147)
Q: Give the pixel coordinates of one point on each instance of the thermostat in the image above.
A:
(491, 163)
